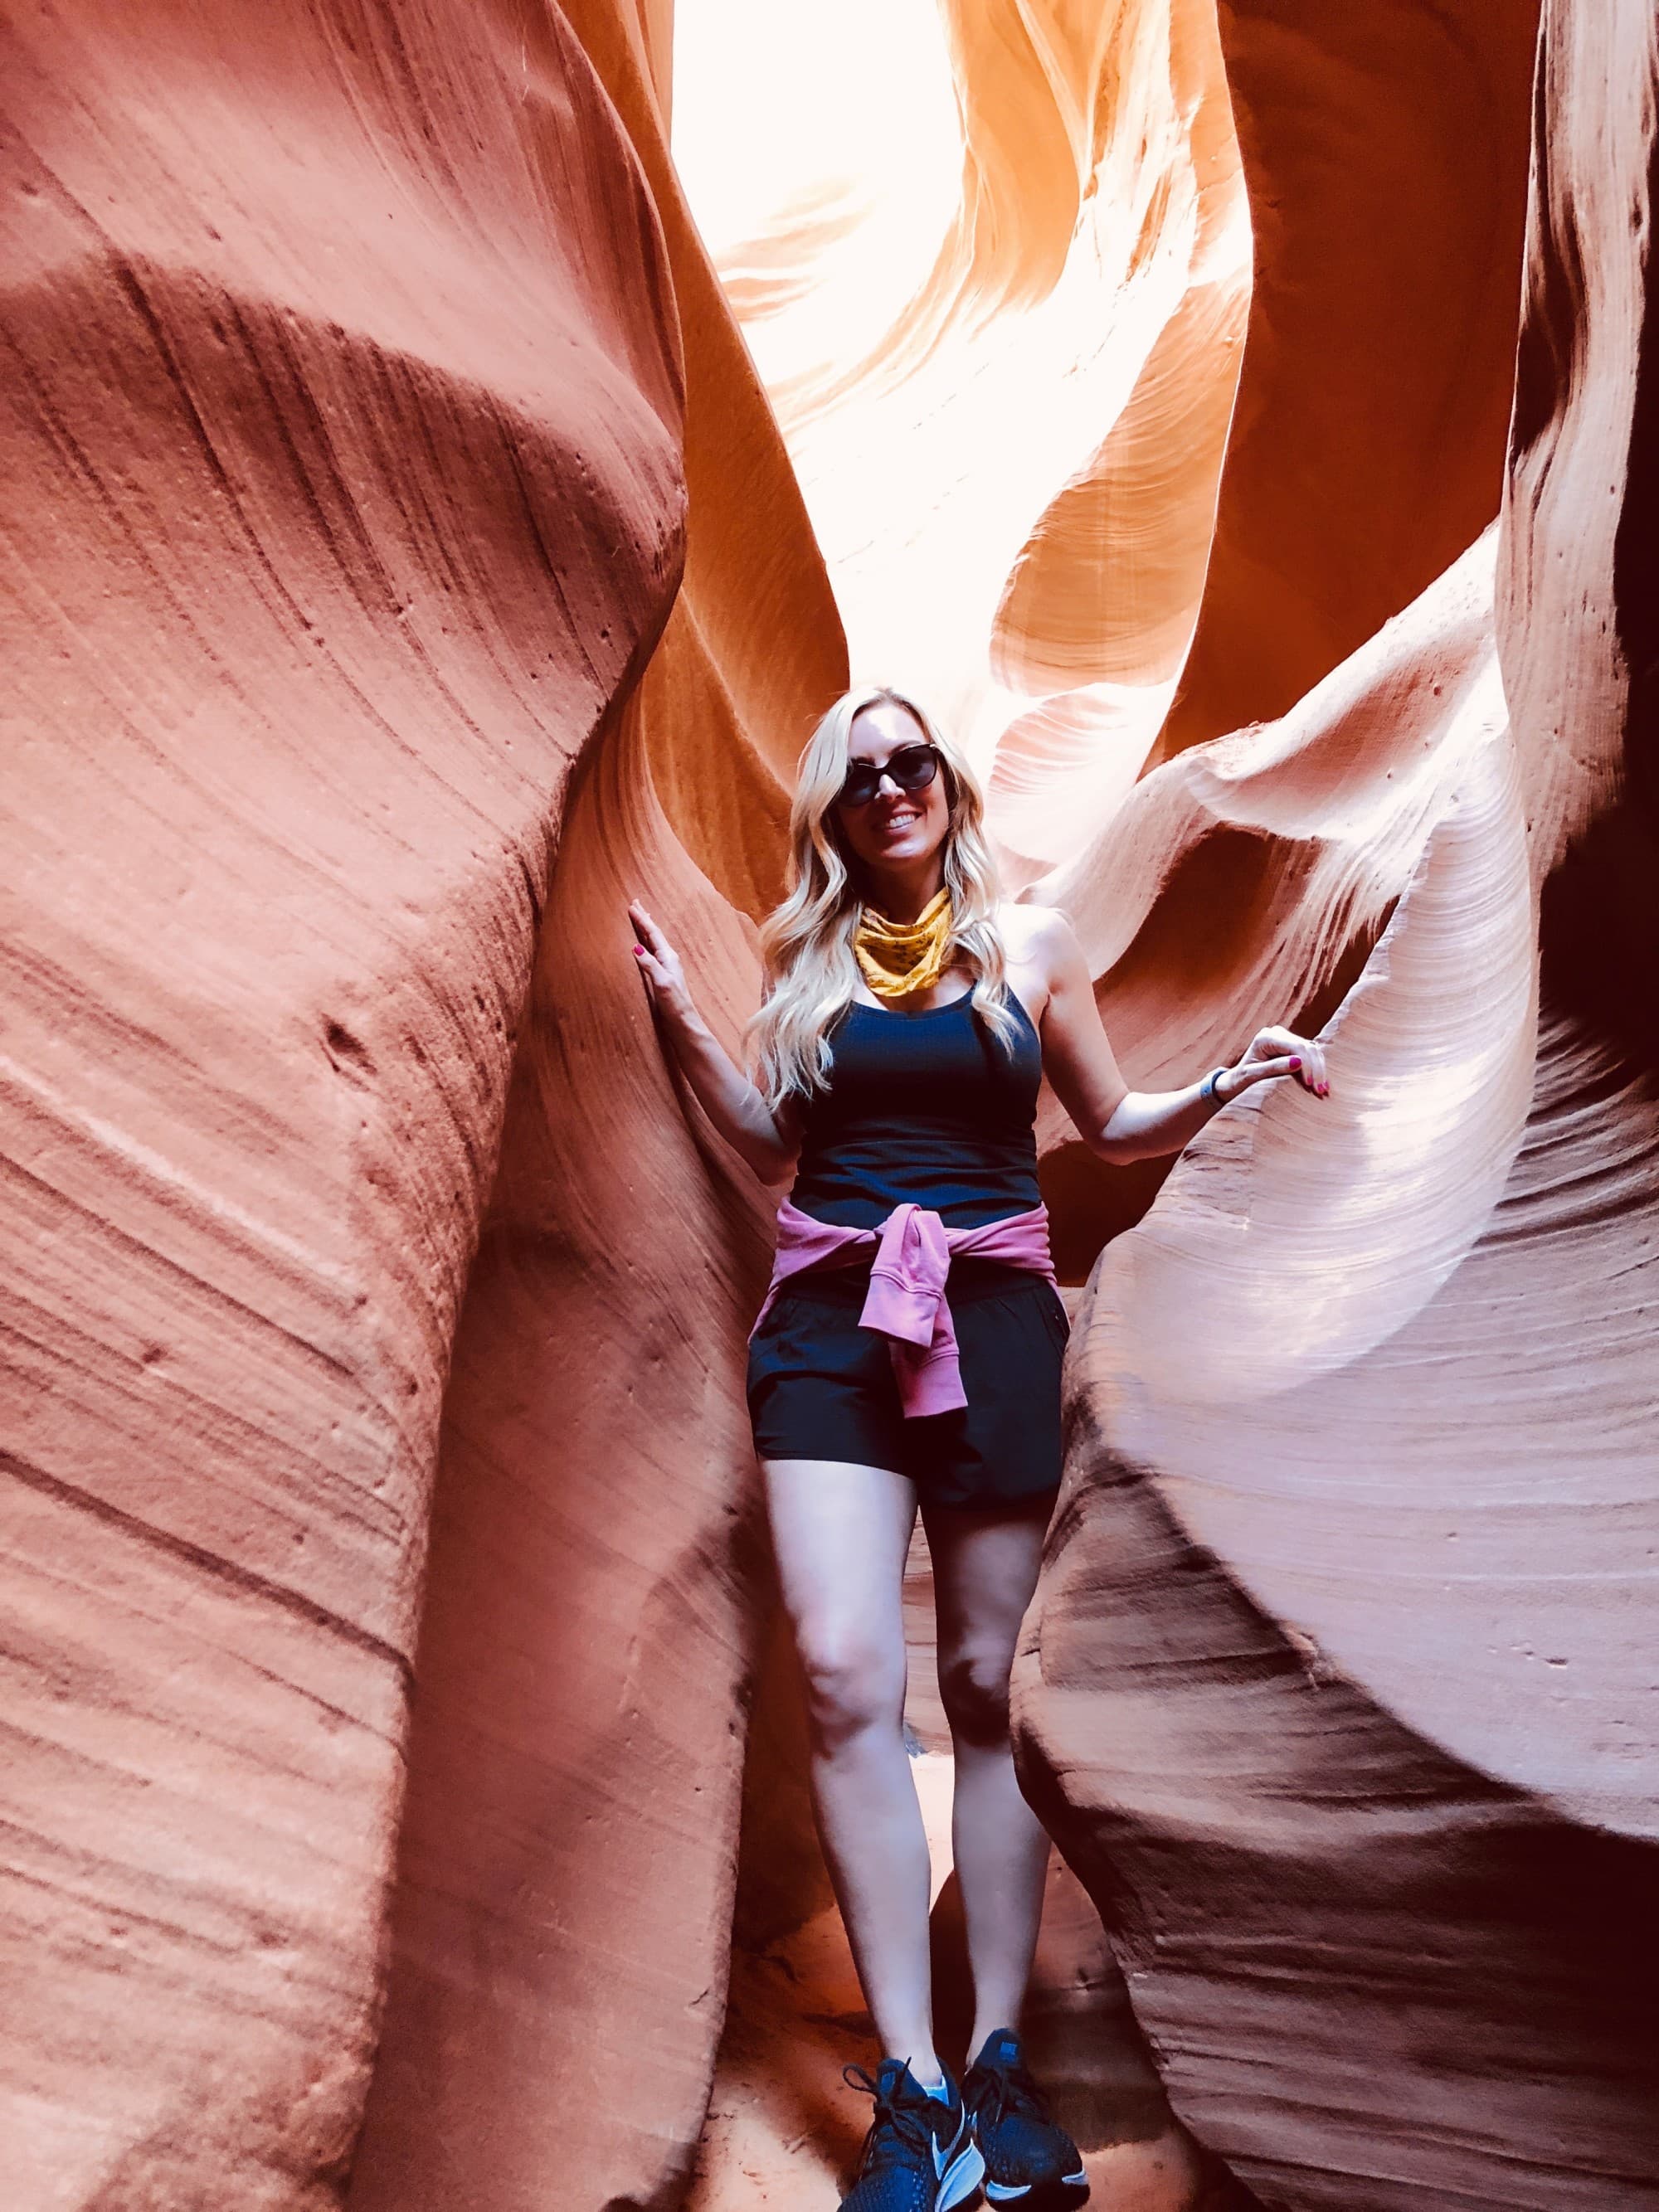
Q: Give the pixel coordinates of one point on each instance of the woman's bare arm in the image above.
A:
(767, 1142)
(1115, 1122)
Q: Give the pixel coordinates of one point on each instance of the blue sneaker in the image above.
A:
(1028, 2161)
(919, 2154)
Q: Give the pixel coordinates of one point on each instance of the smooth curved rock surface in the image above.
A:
(562, 1924)
(344, 490)
(371, 395)
(1335, 1690)
(1385, 155)
(993, 261)
(347, 412)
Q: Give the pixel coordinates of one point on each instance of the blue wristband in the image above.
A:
(1207, 1090)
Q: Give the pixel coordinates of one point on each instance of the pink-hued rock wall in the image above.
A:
(565, 1904)
(346, 447)
(403, 567)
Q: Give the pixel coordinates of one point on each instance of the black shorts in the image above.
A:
(822, 1388)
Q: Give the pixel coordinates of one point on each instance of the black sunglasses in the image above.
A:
(912, 767)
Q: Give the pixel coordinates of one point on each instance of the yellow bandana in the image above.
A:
(899, 958)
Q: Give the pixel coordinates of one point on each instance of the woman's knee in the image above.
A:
(973, 1688)
(854, 1683)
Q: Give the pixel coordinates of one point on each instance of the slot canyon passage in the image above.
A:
(436, 511)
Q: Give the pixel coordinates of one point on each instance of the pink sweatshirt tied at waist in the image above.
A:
(906, 1302)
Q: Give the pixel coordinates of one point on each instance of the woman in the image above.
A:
(909, 1017)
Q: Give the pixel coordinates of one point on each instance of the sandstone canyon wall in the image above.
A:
(346, 445)
(404, 567)
(996, 282)
(1335, 1690)
(1385, 148)
(1344, 1722)
(563, 1925)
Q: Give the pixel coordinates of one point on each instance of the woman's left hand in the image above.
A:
(1274, 1053)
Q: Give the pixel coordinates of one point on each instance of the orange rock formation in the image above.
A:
(1008, 432)
(1334, 1691)
(404, 565)
(346, 440)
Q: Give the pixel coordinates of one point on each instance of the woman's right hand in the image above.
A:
(720, 1086)
(659, 964)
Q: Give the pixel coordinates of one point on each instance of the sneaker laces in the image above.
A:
(899, 2122)
(1001, 2090)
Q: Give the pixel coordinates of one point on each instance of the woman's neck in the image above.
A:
(903, 895)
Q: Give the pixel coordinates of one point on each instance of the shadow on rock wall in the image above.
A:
(1334, 1690)
(343, 495)
(408, 570)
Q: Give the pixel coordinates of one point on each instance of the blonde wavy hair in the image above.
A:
(807, 944)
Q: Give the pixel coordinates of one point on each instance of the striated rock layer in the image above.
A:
(346, 449)
(404, 568)
(561, 1929)
(344, 493)
(993, 259)
(1385, 154)
(1335, 1689)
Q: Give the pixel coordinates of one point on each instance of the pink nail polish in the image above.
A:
(1295, 1063)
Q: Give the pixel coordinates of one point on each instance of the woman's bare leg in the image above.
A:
(841, 1534)
(985, 1569)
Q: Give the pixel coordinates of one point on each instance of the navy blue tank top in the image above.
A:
(925, 1108)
